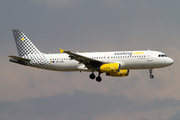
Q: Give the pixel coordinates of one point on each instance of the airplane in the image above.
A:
(113, 63)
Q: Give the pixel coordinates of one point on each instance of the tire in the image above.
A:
(92, 76)
(98, 79)
(151, 76)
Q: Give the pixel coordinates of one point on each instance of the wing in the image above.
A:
(88, 62)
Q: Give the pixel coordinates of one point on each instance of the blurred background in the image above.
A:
(88, 26)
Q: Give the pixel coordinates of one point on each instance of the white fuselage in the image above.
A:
(127, 59)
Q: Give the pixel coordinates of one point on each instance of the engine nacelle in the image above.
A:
(110, 68)
(121, 73)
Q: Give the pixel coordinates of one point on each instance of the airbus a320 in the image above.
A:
(113, 63)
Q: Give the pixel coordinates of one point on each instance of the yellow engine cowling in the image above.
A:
(110, 68)
(121, 73)
(113, 69)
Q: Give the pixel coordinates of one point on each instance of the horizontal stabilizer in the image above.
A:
(19, 58)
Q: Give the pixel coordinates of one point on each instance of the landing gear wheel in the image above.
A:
(92, 76)
(151, 76)
(98, 79)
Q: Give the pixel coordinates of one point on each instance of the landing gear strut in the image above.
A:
(151, 75)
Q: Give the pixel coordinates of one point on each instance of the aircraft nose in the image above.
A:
(170, 61)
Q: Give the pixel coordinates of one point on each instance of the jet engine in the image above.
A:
(113, 69)
(110, 67)
(121, 73)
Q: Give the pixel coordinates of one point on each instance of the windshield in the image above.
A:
(162, 55)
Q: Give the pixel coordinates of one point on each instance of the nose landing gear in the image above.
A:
(151, 75)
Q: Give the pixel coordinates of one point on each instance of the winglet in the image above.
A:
(61, 50)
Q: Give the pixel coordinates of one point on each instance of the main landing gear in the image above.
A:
(151, 75)
(98, 78)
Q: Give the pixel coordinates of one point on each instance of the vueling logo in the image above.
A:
(138, 53)
(123, 53)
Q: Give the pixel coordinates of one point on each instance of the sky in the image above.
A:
(88, 26)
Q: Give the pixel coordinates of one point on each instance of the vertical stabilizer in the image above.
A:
(24, 45)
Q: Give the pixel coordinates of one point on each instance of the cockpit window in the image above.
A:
(162, 55)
